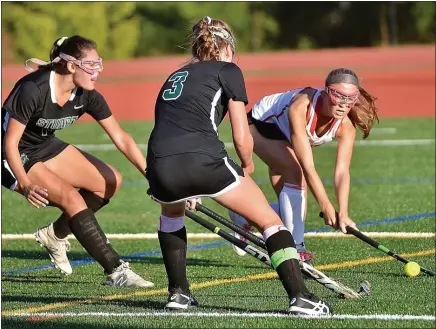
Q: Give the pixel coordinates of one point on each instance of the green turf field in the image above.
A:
(389, 182)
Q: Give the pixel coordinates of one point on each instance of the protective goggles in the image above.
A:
(337, 98)
(90, 67)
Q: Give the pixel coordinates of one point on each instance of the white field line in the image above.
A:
(380, 142)
(401, 317)
(147, 236)
(374, 131)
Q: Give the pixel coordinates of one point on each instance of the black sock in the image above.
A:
(284, 256)
(93, 201)
(173, 246)
(90, 235)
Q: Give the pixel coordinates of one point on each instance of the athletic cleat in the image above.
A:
(309, 305)
(240, 221)
(123, 276)
(57, 248)
(179, 300)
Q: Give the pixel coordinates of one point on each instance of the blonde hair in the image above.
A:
(209, 36)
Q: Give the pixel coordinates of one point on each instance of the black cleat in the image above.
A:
(180, 300)
(310, 305)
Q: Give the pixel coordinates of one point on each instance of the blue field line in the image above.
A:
(386, 180)
(381, 221)
(219, 243)
(329, 181)
(131, 256)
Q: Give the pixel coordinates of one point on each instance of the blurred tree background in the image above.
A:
(135, 29)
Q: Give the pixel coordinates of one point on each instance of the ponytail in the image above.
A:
(364, 112)
(209, 36)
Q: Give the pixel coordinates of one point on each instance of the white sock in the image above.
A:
(168, 224)
(292, 209)
(272, 230)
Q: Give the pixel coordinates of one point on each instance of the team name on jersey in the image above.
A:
(56, 124)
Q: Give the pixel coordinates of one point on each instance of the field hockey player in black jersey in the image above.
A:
(49, 171)
(186, 160)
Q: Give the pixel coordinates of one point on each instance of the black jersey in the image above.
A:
(191, 104)
(32, 102)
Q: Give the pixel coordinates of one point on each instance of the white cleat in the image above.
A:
(240, 221)
(57, 248)
(307, 304)
(123, 276)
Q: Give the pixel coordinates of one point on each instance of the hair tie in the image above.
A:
(61, 41)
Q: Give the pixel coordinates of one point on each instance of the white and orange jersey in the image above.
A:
(274, 109)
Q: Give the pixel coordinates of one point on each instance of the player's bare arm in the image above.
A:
(303, 151)
(242, 138)
(35, 194)
(346, 135)
(124, 142)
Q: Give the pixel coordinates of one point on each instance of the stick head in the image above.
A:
(365, 288)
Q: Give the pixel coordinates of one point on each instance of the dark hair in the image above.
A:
(364, 113)
(74, 46)
(208, 37)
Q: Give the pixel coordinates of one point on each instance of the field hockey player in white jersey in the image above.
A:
(285, 127)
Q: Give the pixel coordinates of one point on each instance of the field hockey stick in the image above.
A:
(238, 229)
(377, 245)
(307, 269)
(260, 255)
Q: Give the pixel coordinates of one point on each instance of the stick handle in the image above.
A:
(377, 245)
(260, 255)
(250, 236)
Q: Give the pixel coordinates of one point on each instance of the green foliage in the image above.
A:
(424, 18)
(130, 29)
(36, 25)
(166, 26)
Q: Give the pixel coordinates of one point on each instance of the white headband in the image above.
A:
(41, 62)
(222, 33)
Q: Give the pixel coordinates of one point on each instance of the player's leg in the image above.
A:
(97, 180)
(173, 180)
(173, 244)
(57, 248)
(276, 181)
(289, 184)
(289, 202)
(287, 177)
(98, 183)
(64, 196)
(248, 200)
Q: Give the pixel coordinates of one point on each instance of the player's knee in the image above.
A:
(265, 219)
(113, 184)
(72, 201)
(295, 178)
(118, 180)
